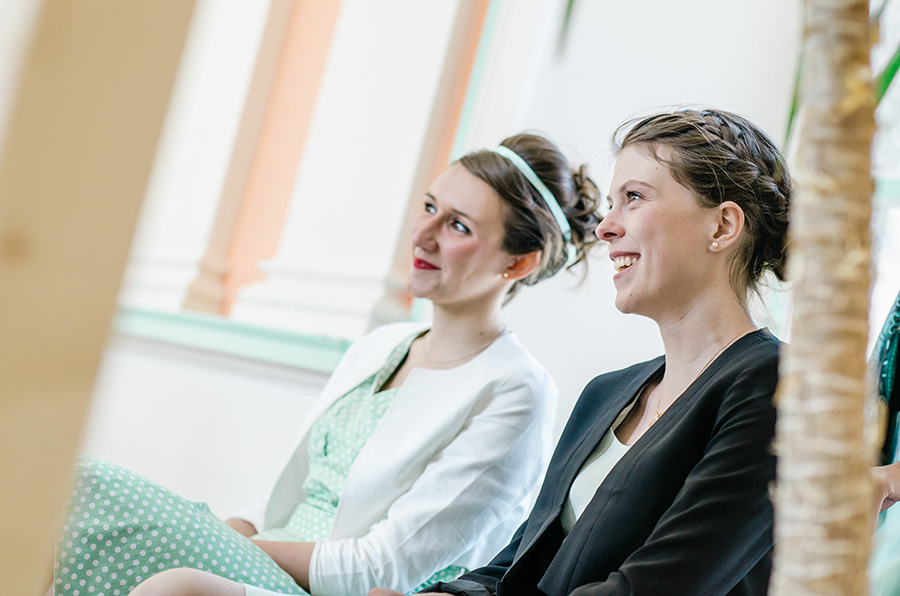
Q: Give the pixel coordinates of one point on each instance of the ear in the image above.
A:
(522, 265)
(727, 226)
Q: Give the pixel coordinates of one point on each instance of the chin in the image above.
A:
(417, 291)
(625, 306)
(414, 292)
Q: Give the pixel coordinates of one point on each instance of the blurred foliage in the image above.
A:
(881, 82)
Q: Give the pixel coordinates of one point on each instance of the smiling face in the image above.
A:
(659, 238)
(457, 242)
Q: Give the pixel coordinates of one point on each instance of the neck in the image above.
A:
(696, 337)
(458, 330)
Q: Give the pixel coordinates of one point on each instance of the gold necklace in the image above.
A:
(659, 388)
(463, 357)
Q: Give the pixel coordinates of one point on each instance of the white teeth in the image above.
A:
(623, 262)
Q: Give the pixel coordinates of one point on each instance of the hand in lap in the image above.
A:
(887, 485)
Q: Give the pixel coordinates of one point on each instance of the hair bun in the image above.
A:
(530, 225)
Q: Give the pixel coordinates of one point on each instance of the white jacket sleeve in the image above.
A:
(472, 486)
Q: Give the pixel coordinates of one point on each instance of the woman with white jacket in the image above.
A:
(422, 432)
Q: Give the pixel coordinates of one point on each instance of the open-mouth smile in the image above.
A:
(622, 263)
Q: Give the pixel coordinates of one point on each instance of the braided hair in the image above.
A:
(720, 156)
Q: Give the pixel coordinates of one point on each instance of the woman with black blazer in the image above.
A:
(659, 483)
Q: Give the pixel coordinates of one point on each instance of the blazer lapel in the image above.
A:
(574, 450)
(585, 444)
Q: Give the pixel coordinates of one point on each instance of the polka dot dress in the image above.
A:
(334, 442)
(122, 528)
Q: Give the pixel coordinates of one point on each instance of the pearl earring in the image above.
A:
(505, 275)
(715, 245)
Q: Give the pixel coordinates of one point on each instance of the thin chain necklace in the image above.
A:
(427, 342)
(659, 388)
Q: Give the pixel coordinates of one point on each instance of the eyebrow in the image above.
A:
(626, 183)
(638, 182)
(456, 211)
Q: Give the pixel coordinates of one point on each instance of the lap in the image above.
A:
(122, 528)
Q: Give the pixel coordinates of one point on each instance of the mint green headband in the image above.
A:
(549, 199)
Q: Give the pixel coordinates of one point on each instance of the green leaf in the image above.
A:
(884, 79)
(566, 26)
(795, 101)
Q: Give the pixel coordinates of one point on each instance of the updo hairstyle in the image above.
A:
(720, 157)
(529, 224)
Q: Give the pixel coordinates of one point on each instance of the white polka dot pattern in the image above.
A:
(122, 528)
(335, 440)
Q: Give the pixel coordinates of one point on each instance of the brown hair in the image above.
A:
(529, 224)
(721, 157)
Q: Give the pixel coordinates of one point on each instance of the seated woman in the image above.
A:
(659, 483)
(423, 431)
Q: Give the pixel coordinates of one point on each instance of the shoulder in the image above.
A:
(759, 349)
(508, 361)
(751, 361)
(741, 382)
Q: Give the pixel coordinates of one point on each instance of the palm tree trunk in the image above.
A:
(823, 497)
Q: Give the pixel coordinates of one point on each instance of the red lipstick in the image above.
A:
(422, 264)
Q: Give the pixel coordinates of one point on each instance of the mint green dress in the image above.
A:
(122, 528)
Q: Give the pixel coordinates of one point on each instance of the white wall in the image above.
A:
(623, 59)
(194, 153)
(200, 424)
(368, 131)
(16, 23)
(210, 427)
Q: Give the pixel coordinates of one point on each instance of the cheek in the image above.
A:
(474, 260)
(469, 257)
(461, 249)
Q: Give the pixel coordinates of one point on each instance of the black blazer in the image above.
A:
(685, 512)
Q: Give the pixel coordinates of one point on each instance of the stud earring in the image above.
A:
(505, 275)
(715, 245)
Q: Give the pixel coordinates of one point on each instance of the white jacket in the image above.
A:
(445, 478)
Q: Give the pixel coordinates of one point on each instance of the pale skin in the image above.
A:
(459, 264)
(887, 485)
(680, 279)
(710, 314)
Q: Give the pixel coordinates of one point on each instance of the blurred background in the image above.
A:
(297, 141)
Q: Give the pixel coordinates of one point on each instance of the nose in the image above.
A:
(423, 232)
(609, 227)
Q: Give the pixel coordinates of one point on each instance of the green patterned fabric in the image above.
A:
(122, 528)
(886, 359)
(884, 564)
(335, 440)
(445, 575)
